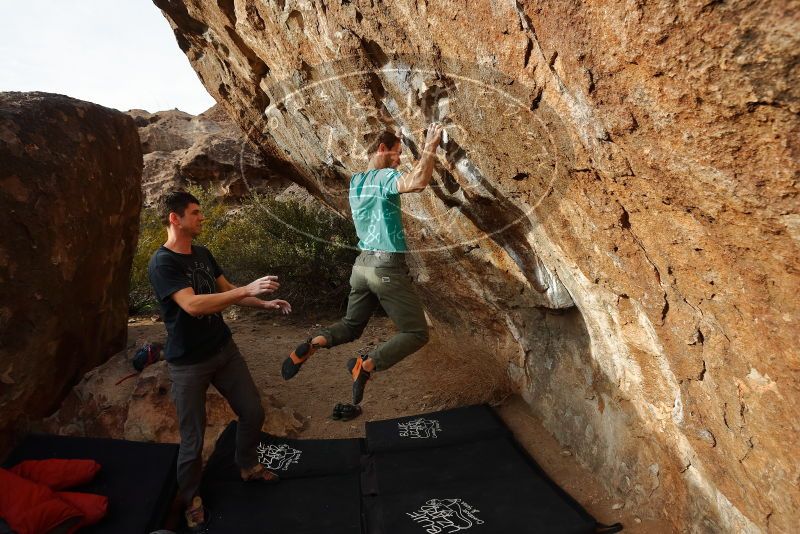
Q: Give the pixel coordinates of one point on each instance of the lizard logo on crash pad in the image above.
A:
(277, 457)
(446, 516)
(419, 428)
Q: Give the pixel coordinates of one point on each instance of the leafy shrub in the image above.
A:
(310, 249)
(151, 236)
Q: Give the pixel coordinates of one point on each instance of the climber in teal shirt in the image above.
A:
(380, 275)
(375, 204)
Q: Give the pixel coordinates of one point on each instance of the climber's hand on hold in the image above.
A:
(433, 136)
(420, 176)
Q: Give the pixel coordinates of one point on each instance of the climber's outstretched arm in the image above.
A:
(420, 176)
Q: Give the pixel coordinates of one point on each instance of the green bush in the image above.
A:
(151, 236)
(311, 250)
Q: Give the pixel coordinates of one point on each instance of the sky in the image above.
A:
(117, 53)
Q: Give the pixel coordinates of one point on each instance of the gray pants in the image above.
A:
(228, 372)
(381, 278)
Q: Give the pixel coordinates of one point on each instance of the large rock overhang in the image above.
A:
(615, 217)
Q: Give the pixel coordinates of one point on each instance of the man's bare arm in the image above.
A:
(420, 176)
(253, 302)
(197, 305)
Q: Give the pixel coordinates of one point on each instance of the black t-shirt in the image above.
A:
(189, 339)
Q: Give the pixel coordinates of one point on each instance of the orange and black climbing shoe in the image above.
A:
(291, 365)
(360, 377)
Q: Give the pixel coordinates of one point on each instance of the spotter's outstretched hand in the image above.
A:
(265, 284)
(278, 304)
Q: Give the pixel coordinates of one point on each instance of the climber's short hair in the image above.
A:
(175, 202)
(387, 137)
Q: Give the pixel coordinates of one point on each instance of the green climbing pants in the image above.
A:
(382, 278)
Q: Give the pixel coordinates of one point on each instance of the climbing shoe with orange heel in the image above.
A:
(291, 365)
(360, 377)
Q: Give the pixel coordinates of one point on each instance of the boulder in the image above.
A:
(207, 150)
(108, 402)
(614, 216)
(70, 194)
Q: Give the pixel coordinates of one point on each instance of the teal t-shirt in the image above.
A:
(375, 204)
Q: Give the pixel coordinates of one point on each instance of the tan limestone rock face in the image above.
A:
(208, 150)
(140, 408)
(615, 211)
(70, 198)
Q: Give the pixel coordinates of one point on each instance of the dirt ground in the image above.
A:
(431, 379)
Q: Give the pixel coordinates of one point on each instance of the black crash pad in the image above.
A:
(313, 505)
(464, 463)
(138, 478)
(461, 472)
(435, 429)
(456, 471)
(289, 458)
(319, 491)
(512, 505)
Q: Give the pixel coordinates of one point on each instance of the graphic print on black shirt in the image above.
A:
(202, 282)
(189, 339)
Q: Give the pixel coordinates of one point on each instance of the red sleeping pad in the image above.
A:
(31, 502)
